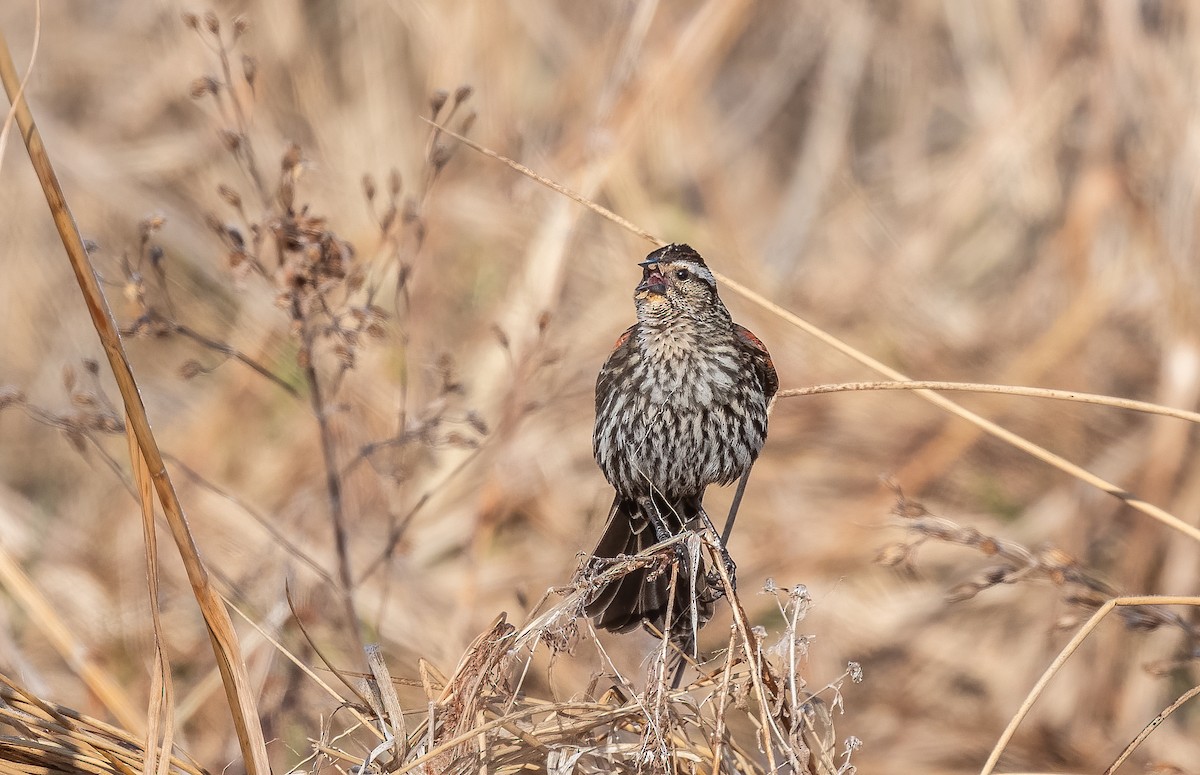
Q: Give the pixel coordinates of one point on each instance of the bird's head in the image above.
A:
(675, 282)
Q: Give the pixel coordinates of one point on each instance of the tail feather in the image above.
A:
(625, 603)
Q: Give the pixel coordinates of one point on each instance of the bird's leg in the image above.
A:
(730, 566)
(662, 531)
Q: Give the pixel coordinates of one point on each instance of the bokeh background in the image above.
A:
(996, 192)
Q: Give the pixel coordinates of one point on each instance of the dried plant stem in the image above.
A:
(233, 352)
(1045, 455)
(333, 481)
(245, 148)
(1012, 390)
(718, 737)
(263, 520)
(1064, 655)
(238, 691)
(1153, 725)
(600, 210)
(760, 676)
(160, 716)
(12, 112)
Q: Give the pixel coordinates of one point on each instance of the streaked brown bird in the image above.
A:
(681, 403)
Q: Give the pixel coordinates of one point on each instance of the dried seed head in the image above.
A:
(231, 140)
(964, 591)
(467, 122)
(10, 395)
(92, 366)
(439, 157)
(151, 224)
(240, 25)
(412, 210)
(212, 22)
(456, 439)
(892, 555)
(287, 194)
(461, 94)
(368, 184)
(231, 197)
(203, 86)
(191, 369)
(543, 321)
(394, 182)
(291, 158)
(156, 256)
(235, 237)
(388, 217)
(437, 101)
(477, 422)
(249, 69)
(191, 20)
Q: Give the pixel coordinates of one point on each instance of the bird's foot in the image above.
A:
(716, 582)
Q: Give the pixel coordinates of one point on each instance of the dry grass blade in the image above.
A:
(1067, 650)
(386, 695)
(161, 713)
(52, 739)
(12, 111)
(238, 691)
(1020, 442)
(1159, 719)
(1010, 390)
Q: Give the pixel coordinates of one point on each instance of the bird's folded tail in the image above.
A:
(642, 595)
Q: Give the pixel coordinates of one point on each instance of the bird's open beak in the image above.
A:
(652, 281)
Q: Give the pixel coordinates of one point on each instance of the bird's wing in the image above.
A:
(762, 360)
(613, 367)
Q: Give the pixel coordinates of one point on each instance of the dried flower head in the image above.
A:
(249, 69)
(203, 86)
(231, 140)
(231, 197)
(437, 101)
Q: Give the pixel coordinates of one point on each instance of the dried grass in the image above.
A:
(368, 356)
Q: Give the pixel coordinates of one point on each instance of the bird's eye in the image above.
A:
(682, 274)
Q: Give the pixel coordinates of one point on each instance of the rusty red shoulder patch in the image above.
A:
(623, 338)
(753, 340)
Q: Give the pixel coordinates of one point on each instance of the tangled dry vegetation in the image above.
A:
(367, 352)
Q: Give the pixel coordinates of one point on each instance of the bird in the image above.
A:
(681, 404)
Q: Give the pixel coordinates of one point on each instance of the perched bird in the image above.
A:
(681, 403)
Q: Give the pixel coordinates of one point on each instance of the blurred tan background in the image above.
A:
(995, 192)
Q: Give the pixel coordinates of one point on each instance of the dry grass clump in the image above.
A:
(748, 710)
(47, 738)
(368, 354)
